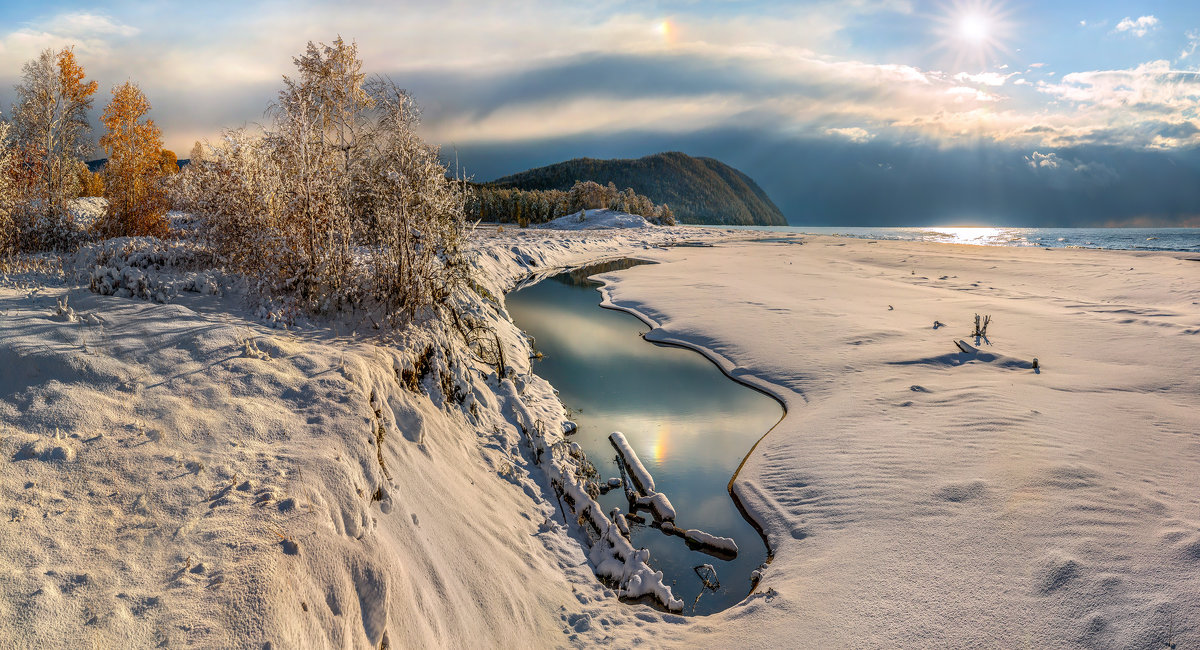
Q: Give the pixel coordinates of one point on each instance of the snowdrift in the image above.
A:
(597, 220)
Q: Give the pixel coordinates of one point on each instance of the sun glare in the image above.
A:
(974, 32)
(664, 29)
(974, 28)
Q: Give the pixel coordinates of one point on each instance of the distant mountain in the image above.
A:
(699, 190)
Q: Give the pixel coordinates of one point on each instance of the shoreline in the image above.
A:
(920, 496)
(721, 364)
(680, 313)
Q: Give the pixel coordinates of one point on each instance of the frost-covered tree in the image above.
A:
(339, 204)
(50, 115)
(315, 141)
(133, 174)
(409, 209)
(8, 191)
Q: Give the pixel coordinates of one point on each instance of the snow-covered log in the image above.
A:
(659, 504)
(706, 540)
(638, 471)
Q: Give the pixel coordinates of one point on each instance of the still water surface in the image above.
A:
(689, 423)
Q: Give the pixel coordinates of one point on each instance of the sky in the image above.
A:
(852, 112)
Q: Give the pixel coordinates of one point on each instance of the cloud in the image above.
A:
(90, 33)
(1139, 27)
(542, 70)
(1067, 173)
(986, 78)
(853, 134)
(1193, 36)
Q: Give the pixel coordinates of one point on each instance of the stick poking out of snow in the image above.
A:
(642, 477)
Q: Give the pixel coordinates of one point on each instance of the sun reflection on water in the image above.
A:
(980, 235)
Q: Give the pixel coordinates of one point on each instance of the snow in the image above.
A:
(707, 540)
(185, 473)
(599, 219)
(86, 211)
(915, 495)
(641, 476)
(659, 504)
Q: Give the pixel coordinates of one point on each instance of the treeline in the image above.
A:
(43, 143)
(525, 207)
(699, 190)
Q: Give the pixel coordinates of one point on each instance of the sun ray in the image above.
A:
(974, 33)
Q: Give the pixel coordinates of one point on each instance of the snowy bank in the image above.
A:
(601, 219)
(185, 473)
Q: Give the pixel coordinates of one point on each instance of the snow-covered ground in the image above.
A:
(601, 219)
(184, 474)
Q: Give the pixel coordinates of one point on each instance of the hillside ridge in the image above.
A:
(698, 189)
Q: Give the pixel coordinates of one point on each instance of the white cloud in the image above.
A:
(1193, 37)
(1063, 172)
(81, 23)
(966, 93)
(1039, 160)
(986, 78)
(1139, 27)
(221, 71)
(91, 34)
(853, 134)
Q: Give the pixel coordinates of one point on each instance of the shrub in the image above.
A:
(339, 204)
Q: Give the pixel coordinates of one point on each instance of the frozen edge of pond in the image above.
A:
(730, 370)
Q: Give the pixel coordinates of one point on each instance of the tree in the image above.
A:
(416, 213)
(50, 117)
(169, 162)
(90, 182)
(340, 166)
(197, 153)
(133, 175)
(8, 191)
(315, 143)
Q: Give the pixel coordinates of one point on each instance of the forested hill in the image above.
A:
(699, 190)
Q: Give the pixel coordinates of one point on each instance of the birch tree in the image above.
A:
(8, 191)
(133, 174)
(316, 142)
(50, 116)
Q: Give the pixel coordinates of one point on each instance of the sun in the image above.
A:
(974, 32)
(973, 28)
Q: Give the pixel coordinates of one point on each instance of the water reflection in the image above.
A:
(689, 423)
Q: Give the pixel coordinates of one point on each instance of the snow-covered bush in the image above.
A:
(339, 204)
(412, 216)
(146, 268)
